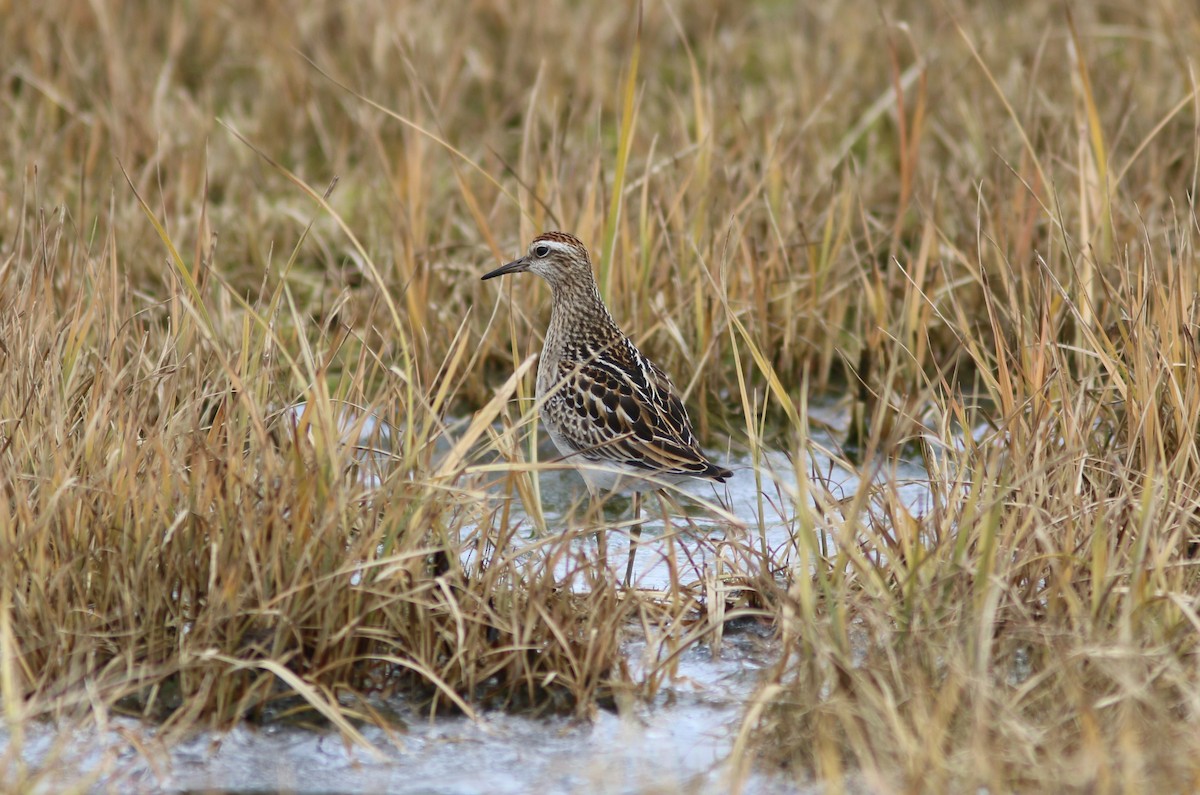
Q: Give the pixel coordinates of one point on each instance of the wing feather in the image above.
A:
(615, 405)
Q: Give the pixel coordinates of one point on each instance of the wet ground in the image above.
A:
(680, 742)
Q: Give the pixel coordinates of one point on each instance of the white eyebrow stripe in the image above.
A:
(553, 244)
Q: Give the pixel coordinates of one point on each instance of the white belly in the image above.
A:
(606, 476)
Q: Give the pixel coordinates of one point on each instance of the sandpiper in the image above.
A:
(607, 407)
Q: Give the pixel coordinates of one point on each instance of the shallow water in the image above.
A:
(762, 498)
(678, 743)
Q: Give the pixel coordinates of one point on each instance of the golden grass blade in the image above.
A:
(11, 689)
(777, 389)
(328, 709)
(433, 679)
(612, 222)
(181, 269)
(1012, 115)
(458, 153)
(398, 326)
(453, 462)
(1191, 98)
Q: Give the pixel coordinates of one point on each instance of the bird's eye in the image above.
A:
(541, 251)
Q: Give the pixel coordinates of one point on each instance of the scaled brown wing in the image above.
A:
(625, 410)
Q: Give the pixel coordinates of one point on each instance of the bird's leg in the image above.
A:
(635, 532)
(669, 534)
(602, 551)
(597, 515)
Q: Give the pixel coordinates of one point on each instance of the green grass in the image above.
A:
(962, 216)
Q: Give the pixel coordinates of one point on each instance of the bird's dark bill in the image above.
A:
(517, 266)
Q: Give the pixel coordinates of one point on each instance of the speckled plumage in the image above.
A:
(604, 403)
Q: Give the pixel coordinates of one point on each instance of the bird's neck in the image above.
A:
(578, 314)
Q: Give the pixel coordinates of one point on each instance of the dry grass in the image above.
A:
(978, 218)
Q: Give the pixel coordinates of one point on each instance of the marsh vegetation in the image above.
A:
(974, 223)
